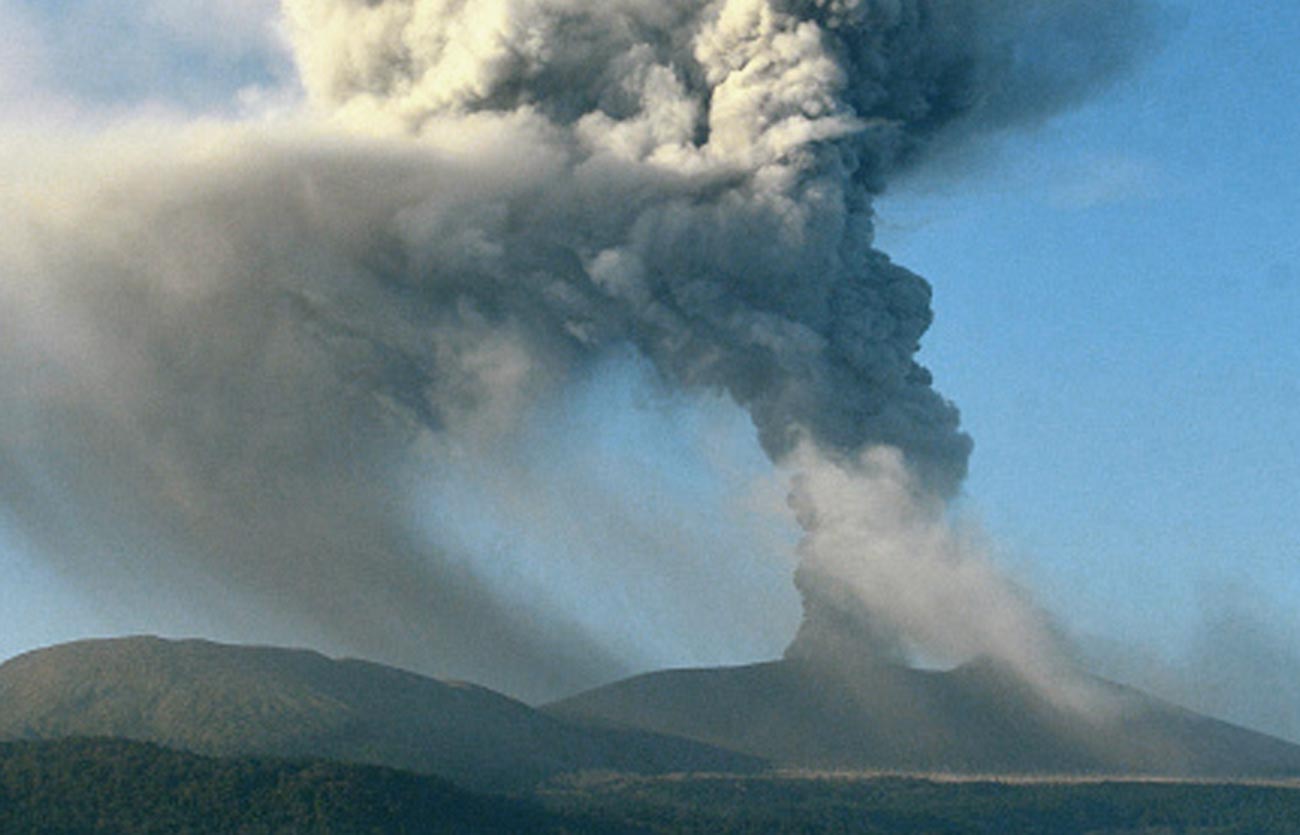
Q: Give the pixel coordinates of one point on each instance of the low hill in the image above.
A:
(975, 719)
(228, 700)
(113, 786)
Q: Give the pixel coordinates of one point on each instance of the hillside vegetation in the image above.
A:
(845, 805)
(113, 786)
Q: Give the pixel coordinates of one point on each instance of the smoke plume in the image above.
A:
(235, 350)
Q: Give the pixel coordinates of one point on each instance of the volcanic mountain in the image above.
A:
(978, 718)
(800, 712)
(230, 700)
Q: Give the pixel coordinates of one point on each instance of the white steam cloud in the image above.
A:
(235, 350)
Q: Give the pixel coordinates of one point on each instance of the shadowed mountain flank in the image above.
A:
(975, 719)
(227, 700)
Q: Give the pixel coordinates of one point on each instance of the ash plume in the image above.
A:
(237, 348)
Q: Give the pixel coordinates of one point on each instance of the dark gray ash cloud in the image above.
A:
(235, 350)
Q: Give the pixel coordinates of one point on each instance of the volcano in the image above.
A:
(798, 712)
(976, 719)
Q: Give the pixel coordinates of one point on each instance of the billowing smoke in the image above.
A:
(235, 351)
(887, 577)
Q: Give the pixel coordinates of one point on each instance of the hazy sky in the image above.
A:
(1116, 293)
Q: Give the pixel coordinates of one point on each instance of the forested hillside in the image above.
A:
(855, 805)
(113, 786)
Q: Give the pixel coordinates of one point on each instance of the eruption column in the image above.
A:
(236, 351)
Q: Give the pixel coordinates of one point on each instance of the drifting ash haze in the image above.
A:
(233, 353)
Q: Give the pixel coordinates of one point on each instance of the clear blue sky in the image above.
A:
(1117, 301)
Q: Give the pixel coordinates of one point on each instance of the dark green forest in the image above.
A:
(114, 786)
(808, 805)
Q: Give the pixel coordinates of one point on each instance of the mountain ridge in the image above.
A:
(224, 700)
(221, 699)
(977, 718)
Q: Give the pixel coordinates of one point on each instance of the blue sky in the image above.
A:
(1117, 295)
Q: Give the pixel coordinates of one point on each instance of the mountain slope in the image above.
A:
(218, 699)
(977, 718)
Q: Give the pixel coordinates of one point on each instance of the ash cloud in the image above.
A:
(1237, 664)
(237, 348)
